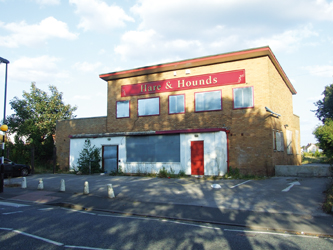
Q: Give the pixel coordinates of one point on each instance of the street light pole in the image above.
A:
(3, 128)
(3, 60)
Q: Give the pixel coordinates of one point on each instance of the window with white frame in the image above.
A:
(149, 106)
(289, 142)
(208, 101)
(123, 109)
(176, 104)
(243, 97)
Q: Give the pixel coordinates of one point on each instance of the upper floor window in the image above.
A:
(176, 104)
(149, 106)
(243, 97)
(123, 109)
(208, 101)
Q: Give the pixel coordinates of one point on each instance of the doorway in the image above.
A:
(110, 158)
(197, 158)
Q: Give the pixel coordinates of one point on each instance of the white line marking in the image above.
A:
(160, 220)
(13, 204)
(51, 241)
(272, 233)
(12, 212)
(46, 209)
(291, 185)
(90, 248)
(194, 225)
(240, 184)
(34, 236)
(82, 212)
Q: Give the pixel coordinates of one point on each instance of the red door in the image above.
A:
(197, 158)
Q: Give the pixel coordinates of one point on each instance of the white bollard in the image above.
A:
(40, 184)
(86, 188)
(62, 185)
(110, 191)
(24, 182)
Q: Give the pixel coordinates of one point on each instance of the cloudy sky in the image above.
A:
(68, 43)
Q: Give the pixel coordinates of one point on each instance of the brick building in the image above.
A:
(201, 115)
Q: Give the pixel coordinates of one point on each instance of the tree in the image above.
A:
(324, 112)
(324, 135)
(90, 155)
(35, 116)
(325, 106)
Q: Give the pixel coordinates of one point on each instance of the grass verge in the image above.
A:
(328, 204)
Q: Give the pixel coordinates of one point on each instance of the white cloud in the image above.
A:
(199, 13)
(48, 2)
(85, 66)
(314, 98)
(101, 51)
(320, 70)
(42, 69)
(185, 29)
(136, 42)
(289, 40)
(29, 35)
(97, 15)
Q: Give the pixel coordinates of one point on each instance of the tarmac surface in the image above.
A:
(285, 204)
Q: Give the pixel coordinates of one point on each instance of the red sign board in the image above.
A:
(184, 83)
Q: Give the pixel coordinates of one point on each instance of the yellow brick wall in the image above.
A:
(66, 128)
(250, 137)
(282, 103)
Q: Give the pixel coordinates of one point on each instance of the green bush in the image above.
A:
(317, 154)
(118, 172)
(163, 173)
(181, 173)
(89, 155)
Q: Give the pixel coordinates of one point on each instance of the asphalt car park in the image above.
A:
(273, 195)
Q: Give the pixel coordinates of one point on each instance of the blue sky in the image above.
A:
(68, 43)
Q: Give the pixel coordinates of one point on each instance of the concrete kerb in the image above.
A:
(193, 220)
(306, 170)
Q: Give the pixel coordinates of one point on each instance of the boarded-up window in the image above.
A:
(274, 140)
(289, 142)
(153, 148)
(278, 141)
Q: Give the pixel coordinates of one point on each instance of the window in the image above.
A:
(289, 142)
(278, 141)
(176, 104)
(207, 101)
(149, 106)
(153, 148)
(243, 97)
(297, 141)
(123, 109)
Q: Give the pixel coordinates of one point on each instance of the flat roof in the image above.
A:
(202, 61)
